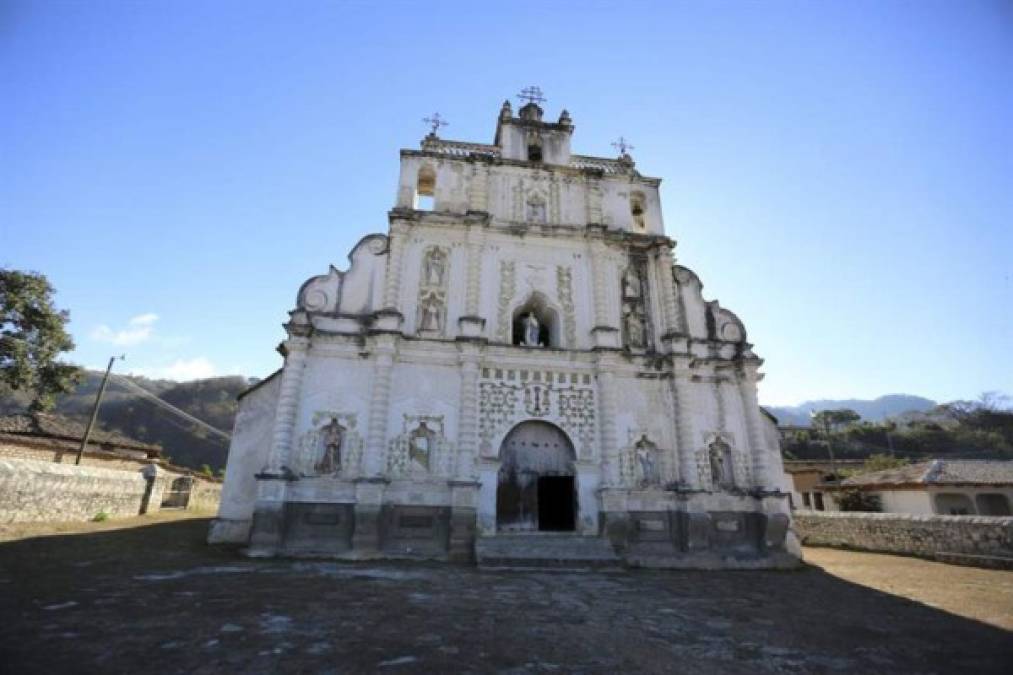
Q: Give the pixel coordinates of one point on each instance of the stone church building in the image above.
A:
(516, 370)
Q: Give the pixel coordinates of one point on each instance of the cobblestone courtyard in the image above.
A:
(148, 596)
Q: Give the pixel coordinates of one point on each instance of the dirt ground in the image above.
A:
(147, 595)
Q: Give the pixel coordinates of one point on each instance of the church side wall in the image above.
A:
(248, 451)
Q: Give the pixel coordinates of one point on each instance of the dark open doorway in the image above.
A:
(555, 504)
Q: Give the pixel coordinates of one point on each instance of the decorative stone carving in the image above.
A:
(642, 464)
(531, 328)
(507, 283)
(507, 397)
(433, 279)
(332, 447)
(536, 212)
(564, 290)
(634, 304)
(536, 399)
(576, 410)
(421, 449)
(719, 465)
(321, 293)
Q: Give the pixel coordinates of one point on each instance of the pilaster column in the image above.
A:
(288, 403)
(478, 192)
(379, 405)
(751, 411)
(395, 254)
(685, 434)
(467, 422)
(609, 444)
(669, 311)
(598, 279)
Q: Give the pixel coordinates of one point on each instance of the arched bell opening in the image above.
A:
(536, 487)
(545, 325)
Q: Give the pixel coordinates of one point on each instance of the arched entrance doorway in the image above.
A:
(536, 488)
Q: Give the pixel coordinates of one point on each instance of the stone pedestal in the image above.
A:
(471, 326)
(368, 500)
(268, 528)
(464, 503)
(387, 321)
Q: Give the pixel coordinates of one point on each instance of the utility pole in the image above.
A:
(94, 410)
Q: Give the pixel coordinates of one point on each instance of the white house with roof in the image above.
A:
(941, 486)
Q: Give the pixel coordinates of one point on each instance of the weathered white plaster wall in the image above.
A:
(251, 442)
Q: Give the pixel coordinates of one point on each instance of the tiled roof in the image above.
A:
(940, 472)
(58, 426)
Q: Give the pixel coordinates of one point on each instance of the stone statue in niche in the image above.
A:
(631, 283)
(431, 313)
(536, 210)
(331, 438)
(435, 268)
(720, 455)
(645, 452)
(634, 329)
(421, 446)
(531, 328)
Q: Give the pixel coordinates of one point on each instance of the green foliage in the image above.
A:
(834, 419)
(32, 336)
(206, 470)
(880, 462)
(853, 499)
(100, 517)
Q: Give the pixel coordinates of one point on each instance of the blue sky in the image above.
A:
(839, 174)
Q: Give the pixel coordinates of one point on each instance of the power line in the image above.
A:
(168, 406)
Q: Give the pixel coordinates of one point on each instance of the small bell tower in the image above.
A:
(527, 137)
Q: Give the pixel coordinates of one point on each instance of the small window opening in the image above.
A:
(534, 153)
(818, 498)
(425, 189)
(638, 211)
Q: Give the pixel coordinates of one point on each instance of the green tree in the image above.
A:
(879, 462)
(834, 419)
(32, 336)
(853, 499)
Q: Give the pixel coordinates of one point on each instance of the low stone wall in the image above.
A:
(205, 496)
(951, 537)
(35, 491)
(41, 491)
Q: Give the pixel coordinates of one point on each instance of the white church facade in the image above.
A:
(518, 360)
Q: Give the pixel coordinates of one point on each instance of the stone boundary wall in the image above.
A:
(41, 491)
(35, 491)
(955, 538)
(205, 496)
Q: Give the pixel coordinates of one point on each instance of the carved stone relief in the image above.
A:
(720, 464)
(507, 283)
(507, 397)
(636, 334)
(421, 449)
(331, 447)
(564, 290)
(641, 463)
(433, 279)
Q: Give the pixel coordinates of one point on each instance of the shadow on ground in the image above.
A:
(156, 599)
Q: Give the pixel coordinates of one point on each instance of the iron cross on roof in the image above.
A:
(531, 94)
(435, 122)
(623, 146)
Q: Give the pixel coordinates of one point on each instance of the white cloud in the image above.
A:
(180, 370)
(139, 329)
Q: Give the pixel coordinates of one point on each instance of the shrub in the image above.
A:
(101, 517)
(853, 499)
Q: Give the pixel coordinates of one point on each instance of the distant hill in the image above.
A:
(212, 400)
(875, 410)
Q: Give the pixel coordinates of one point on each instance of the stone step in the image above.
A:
(562, 551)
